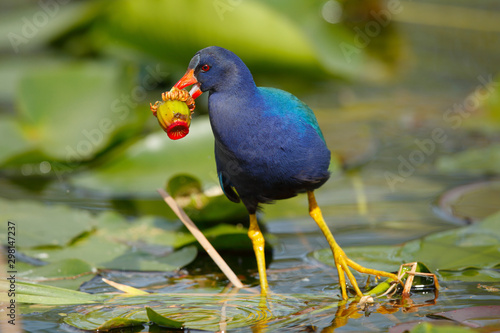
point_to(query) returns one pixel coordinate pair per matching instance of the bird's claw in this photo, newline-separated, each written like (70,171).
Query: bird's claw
(346,263)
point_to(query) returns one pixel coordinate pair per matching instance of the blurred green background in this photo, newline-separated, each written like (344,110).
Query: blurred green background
(77,76)
(400,88)
(407,94)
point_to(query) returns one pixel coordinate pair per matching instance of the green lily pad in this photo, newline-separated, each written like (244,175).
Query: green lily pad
(140,260)
(144,230)
(471,202)
(95,250)
(471,275)
(430,328)
(61,269)
(206,312)
(99,252)
(161,320)
(42,225)
(492,103)
(12,141)
(110,247)
(72,122)
(473,161)
(474,246)
(109,316)
(42,294)
(459,320)
(64,124)
(67,273)
(119,323)
(114,243)
(183,186)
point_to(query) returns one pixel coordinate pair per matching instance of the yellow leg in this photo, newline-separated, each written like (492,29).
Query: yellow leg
(258,246)
(342,262)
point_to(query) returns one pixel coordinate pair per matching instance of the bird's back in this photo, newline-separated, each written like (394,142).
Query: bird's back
(268,147)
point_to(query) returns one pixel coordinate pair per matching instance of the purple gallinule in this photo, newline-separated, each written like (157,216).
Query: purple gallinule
(268,146)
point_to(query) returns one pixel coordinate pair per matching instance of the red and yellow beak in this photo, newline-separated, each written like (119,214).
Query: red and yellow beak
(187,80)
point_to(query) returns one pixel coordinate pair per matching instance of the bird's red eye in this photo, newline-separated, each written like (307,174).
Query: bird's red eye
(205,68)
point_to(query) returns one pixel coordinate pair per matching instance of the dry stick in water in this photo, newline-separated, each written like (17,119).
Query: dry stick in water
(201,238)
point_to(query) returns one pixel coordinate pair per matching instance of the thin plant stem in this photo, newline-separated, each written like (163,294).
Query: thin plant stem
(201,239)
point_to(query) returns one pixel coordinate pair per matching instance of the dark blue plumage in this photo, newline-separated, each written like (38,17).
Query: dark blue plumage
(273,150)
(268,144)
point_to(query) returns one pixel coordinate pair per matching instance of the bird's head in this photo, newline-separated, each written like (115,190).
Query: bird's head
(214,69)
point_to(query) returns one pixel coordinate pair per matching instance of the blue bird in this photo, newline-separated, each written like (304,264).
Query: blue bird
(268,146)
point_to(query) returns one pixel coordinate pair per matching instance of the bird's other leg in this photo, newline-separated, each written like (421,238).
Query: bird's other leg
(342,262)
(258,246)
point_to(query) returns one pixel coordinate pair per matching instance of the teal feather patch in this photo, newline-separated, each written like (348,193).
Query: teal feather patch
(290,106)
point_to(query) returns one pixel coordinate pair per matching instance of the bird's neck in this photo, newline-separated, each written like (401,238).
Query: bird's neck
(233,112)
(235,95)
(238,84)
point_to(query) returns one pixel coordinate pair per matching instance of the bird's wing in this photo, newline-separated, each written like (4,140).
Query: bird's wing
(290,106)
(228,189)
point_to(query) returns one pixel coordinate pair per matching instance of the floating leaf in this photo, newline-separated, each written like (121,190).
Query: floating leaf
(430,328)
(470,313)
(60,269)
(12,141)
(109,246)
(478,317)
(44,225)
(139,260)
(474,161)
(95,250)
(119,323)
(102,253)
(471,275)
(72,122)
(492,103)
(183,186)
(194,311)
(471,202)
(160,320)
(141,232)
(107,316)
(43,294)
(202,312)
(65,124)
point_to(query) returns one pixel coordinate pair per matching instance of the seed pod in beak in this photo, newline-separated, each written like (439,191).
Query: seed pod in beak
(173,113)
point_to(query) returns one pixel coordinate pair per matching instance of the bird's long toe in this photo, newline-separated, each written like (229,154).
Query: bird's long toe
(343,264)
